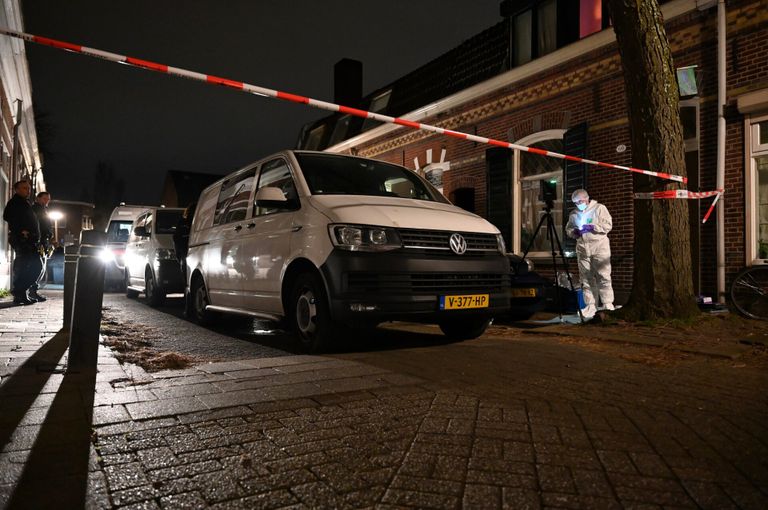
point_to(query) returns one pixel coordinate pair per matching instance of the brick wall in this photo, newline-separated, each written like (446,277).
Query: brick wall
(590,89)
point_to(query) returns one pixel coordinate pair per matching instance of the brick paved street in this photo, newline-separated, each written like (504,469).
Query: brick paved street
(404,420)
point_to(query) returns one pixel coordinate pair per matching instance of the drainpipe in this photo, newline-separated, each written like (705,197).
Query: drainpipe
(15,152)
(720,181)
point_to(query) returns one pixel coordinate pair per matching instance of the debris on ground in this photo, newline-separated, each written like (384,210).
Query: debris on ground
(132,343)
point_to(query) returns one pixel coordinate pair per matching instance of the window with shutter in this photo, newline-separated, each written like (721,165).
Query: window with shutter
(574,144)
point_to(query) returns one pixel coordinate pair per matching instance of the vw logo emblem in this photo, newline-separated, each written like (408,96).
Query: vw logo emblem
(458,244)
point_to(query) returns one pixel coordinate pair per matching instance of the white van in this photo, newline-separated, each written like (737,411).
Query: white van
(324,240)
(151,266)
(118,232)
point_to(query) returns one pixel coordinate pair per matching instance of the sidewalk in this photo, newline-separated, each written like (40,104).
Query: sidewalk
(128,407)
(492,423)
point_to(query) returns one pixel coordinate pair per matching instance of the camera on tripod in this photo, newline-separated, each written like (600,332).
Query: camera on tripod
(548,192)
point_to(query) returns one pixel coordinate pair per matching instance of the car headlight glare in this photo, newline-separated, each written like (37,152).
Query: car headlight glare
(106,255)
(364,238)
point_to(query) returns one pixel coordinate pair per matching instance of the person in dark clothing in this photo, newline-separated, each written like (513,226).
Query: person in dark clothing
(46,234)
(181,236)
(23,235)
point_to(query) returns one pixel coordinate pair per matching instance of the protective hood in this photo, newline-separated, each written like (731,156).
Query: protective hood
(399,213)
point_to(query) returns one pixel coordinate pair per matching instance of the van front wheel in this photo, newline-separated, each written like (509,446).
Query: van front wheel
(199,302)
(465,328)
(310,317)
(155,294)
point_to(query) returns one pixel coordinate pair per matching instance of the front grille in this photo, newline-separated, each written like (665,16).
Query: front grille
(439,240)
(427,283)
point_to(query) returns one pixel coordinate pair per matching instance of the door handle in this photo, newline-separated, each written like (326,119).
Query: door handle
(238,228)
(296,228)
(251,225)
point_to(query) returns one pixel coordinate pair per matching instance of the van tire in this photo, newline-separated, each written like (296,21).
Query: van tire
(129,292)
(465,328)
(198,301)
(155,295)
(309,315)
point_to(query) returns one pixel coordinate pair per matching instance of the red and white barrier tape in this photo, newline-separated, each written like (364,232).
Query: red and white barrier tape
(261,91)
(678,193)
(684,193)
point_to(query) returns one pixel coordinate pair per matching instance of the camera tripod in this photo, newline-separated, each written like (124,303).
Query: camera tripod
(553,238)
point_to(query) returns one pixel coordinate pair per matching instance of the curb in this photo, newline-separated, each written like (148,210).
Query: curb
(732,352)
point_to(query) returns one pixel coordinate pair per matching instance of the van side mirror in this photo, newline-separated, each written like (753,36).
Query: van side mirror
(140,232)
(272,197)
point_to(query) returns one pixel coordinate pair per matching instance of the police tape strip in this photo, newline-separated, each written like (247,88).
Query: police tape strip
(678,193)
(261,91)
(683,193)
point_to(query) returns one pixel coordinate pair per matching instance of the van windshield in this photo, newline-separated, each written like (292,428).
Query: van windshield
(166,221)
(119,231)
(330,174)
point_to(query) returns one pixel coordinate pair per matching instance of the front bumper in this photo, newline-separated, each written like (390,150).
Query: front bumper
(377,287)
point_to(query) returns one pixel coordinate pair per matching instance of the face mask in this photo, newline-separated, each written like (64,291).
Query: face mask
(581,207)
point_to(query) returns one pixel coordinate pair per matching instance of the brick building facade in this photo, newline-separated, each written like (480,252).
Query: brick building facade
(19,153)
(579,84)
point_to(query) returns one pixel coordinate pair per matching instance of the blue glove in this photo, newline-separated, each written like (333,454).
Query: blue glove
(587,228)
(576,233)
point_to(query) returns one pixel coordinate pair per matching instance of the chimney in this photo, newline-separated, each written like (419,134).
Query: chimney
(348,82)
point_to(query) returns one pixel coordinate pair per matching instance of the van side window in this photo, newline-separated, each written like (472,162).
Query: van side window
(233,198)
(139,222)
(277,174)
(148,223)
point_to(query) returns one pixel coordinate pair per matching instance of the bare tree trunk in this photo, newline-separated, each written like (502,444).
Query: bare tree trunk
(663,282)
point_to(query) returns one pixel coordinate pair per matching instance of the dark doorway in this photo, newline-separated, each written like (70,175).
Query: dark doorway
(464,198)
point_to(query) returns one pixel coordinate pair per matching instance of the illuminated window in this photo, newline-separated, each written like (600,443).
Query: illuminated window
(590,17)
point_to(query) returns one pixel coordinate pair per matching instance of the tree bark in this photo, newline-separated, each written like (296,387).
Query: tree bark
(662,284)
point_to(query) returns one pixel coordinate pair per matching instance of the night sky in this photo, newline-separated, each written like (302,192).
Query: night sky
(145,123)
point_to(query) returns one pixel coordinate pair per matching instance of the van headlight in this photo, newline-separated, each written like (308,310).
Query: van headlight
(107,256)
(500,243)
(364,238)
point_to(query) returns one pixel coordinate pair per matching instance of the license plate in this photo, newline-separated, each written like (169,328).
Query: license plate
(523,292)
(464,302)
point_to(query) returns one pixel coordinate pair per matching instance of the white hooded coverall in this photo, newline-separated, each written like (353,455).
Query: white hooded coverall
(593,252)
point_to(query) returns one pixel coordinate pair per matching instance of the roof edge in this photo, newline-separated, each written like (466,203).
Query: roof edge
(596,41)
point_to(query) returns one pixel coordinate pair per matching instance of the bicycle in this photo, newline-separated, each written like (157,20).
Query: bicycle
(749,292)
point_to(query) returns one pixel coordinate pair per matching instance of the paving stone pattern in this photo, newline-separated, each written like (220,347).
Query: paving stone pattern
(424,428)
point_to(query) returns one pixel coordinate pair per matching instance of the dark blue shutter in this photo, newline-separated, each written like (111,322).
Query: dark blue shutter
(574,144)
(498,163)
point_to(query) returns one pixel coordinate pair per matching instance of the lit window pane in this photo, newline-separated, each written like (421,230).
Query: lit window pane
(590,17)
(534,169)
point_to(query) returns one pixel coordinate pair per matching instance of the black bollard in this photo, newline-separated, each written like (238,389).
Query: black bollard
(86,303)
(70,268)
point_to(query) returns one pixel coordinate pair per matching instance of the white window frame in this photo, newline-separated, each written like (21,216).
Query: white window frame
(752,151)
(549,134)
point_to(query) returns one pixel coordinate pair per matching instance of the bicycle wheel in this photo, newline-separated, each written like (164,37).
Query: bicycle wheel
(749,292)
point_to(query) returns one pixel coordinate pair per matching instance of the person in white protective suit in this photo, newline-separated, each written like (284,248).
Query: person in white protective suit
(590,224)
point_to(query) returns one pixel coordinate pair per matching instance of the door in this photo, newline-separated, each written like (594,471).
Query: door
(266,240)
(135,253)
(225,263)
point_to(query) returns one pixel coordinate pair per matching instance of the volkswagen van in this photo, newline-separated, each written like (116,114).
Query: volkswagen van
(327,242)
(151,265)
(118,232)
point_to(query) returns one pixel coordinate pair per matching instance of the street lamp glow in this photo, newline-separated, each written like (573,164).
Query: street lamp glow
(55,216)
